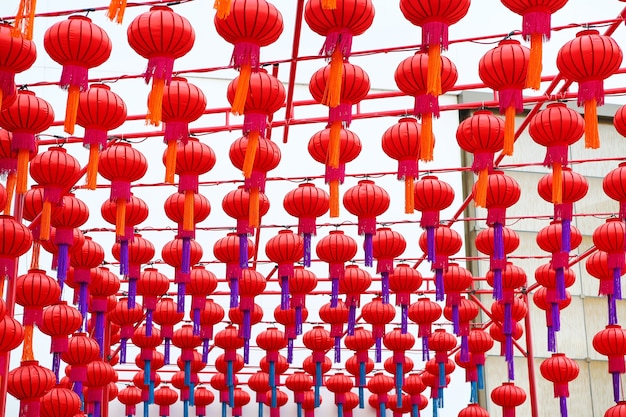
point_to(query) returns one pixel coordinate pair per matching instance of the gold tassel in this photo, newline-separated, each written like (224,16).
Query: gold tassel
(27,352)
(332,93)
(409,196)
(241,92)
(509,130)
(433,78)
(170,161)
(557,183)
(480,195)
(25,18)
(592,136)
(120,218)
(155,102)
(34,262)
(251,150)
(188,211)
(44,224)
(23,156)
(253,209)
(334,144)
(334,198)
(427,141)
(11,180)
(116,10)
(329,4)
(92,166)
(535,65)
(223,8)
(71,108)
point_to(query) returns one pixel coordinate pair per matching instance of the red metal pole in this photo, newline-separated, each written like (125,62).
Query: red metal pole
(297,32)
(530,362)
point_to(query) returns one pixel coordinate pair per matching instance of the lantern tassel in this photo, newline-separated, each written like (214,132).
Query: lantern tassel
(379,349)
(241,92)
(234,292)
(92,166)
(334,144)
(533,77)
(44,226)
(298,321)
(222,8)
(334,294)
(306,258)
(334,198)
(399,379)
(205,351)
(116,10)
(617,283)
(433,80)
(473,393)
(224,409)
(272,378)
(170,161)
(318,383)
(155,101)
(337,349)
(404,319)
(480,370)
(25,18)
(251,151)
(409,195)
(299,409)
(329,4)
(120,218)
(439,290)
(616,385)
(254,208)
(612,309)
(551,339)
(124,263)
(351,319)
(480,197)
(23,156)
(27,352)
(243,251)
(10,187)
(132,292)
(384,282)
(289,351)
(425,352)
(509,130)
(430,244)
(166,351)
(34,262)
(427,141)
(592,136)
(368,248)
(362,384)
(188,211)
(563,406)
(149,323)
(71,108)
(99,331)
(284,293)
(332,94)
(56,364)
(146,373)
(185,259)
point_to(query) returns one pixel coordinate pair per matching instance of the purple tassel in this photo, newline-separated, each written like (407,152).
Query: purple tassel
(616,383)
(379,348)
(425,353)
(612,309)
(166,351)
(456,328)
(617,283)
(497,284)
(384,282)
(369,250)
(338,349)
(404,319)
(307,250)
(123,350)
(508,350)
(124,263)
(498,241)
(551,339)
(246,335)
(566,235)
(439,291)
(298,321)
(62,264)
(196,322)
(149,323)
(334,296)
(96,409)
(56,364)
(289,351)
(284,293)
(556,316)
(560,284)
(234,292)
(78,389)
(243,251)
(511,368)
(132,292)
(563,405)
(351,320)
(180,297)
(99,332)
(82,304)
(205,351)
(465,357)
(185,264)
(430,244)
(507,326)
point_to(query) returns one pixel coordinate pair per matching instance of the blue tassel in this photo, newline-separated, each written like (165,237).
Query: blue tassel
(473,393)
(223,409)
(480,369)
(260,412)
(188,373)
(230,383)
(272,379)
(146,410)
(146,373)
(414,410)
(318,382)
(399,378)
(299,409)
(340,410)
(185,408)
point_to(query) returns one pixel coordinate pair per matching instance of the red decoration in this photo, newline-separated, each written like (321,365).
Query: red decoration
(90,255)
(560,370)
(610,238)
(187,342)
(81,350)
(442,343)
(380,385)
(180,254)
(59,321)
(229,340)
(228,250)
(251,284)
(386,246)
(447,243)
(473,410)
(399,343)
(336,249)
(130,397)
(160,35)
(60,402)
(20,55)
(15,240)
(202,398)
(151,285)
(284,249)
(479,342)
(299,383)
(127,317)
(336,317)
(378,314)
(77,44)
(340,385)
(597,265)
(202,283)
(361,341)
(165,397)
(403,282)
(260,384)
(424,313)
(271,341)
(167,315)
(28,383)
(279,399)
(99,375)
(319,341)
(355,282)
(211,315)
(508,396)
(504,70)
(612,186)
(576,62)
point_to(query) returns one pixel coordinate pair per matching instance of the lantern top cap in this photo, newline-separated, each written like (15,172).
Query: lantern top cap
(407,119)
(509,41)
(483,111)
(164,8)
(26,92)
(366,182)
(430,177)
(180,79)
(283,231)
(336,232)
(556,104)
(79,17)
(102,86)
(588,32)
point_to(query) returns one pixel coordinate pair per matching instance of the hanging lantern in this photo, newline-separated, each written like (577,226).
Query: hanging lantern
(486,243)
(552,308)
(19,55)
(202,398)
(509,311)
(483,135)
(77,44)
(473,410)
(229,340)
(89,256)
(99,376)
(81,350)
(466,312)
(151,285)
(508,396)
(251,284)
(447,243)
(15,240)
(336,249)
(378,314)
(160,35)
(139,251)
(302,283)
(411,77)
(424,313)
(139,381)
(284,249)
(167,315)
(127,317)
(187,342)
(165,397)
(355,282)
(288,318)
(612,186)
(307,203)
(299,383)
(60,402)
(366,200)
(617,410)
(380,385)
(271,341)
(259,382)
(442,343)
(386,246)
(248,26)
(456,280)
(560,370)
(202,283)
(148,359)
(349,149)
(597,266)
(280,367)
(176,253)
(403,282)
(218,382)
(479,342)
(557,127)
(399,343)
(318,340)
(103,288)
(13,336)
(504,69)
(210,315)
(437,377)
(340,385)
(610,238)
(361,341)
(59,321)
(336,317)
(28,383)
(414,386)
(199,207)
(129,396)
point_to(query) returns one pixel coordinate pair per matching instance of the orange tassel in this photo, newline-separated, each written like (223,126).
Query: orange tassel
(557,183)
(120,218)
(11,180)
(253,210)
(25,18)
(34,262)
(1,96)
(71,108)
(480,195)
(188,211)
(23,156)
(332,93)
(329,4)
(592,136)
(409,196)
(535,65)
(92,166)
(250,156)
(27,352)
(433,78)
(44,225)
(116,10)
(170,161)
(155,102)
(241,93)
(427,141)
(334,144)
(334,198)
(223,8)
(509,130)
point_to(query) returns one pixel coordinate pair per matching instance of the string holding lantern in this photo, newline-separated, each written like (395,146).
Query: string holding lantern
(355,282)
(336,249)
(77,44)
(272,341)
(248,26)
(611,342)
(139,251)
(284,249)
(424,313)
(508,396)
(174,253)
(361,341)
(610,238)
(386,246)
(167,315)
(447,243)
(378,314)
(560,370)
(336,317)
(202,283)
(411,77)
(229,340)
(251,284)
(504,69)
(318,340)
(20,54)
(576,62)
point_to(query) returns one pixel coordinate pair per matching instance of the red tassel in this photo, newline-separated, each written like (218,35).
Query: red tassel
(116,10)
(592,136)
(427,141)
(533,78)
(241,93)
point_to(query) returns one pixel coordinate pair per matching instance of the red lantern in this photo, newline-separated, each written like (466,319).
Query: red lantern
(378,314)
(28,383)
(612,186)
(271,341)
(299,383)
(19,55)
(386,246)
(202,283)
(148,359)
(281,399)
(302,283)
(597,265)
(336,249)
(126,317)
(151,285)
(473,410)
(560,370)
(550,239)
(99,375)
(180,254)
(340,385)
(466,312)
(59,321)
(15,240)
(307,203)
(167,315)
(202,398)
(360,342)
(485,243)
(610,238)
(508,396)
(318,340)
(355,282)
(504,69)
(211,315)
(161,36)
(228,251)
(336,317)
(442,343)
(251,284)
(140,251)
(165,397)
(13,336)
(424,313)
(81,350)
(187,342)
(260,384)
(90,255)
(60,402)
(284,249)
(399,343)
(291,319)
(229,340)
(130,397)
(576,63)
(199,206)
(77,44)
(404,281)
(479,342)
(412,78)
(447,243)
(483,135)
(380,385)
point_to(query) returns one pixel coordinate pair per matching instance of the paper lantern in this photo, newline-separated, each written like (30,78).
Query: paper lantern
(447,243)
(60,402)
(103,286)
(284,249)
(560,370)
(251,284)
(20,54)
(336,249)
(148,359)
(550,239)
(380,385)
(127,317)
(479,342)
(386,246)
(202,283)
(360,342)
(59,321)
(355,282)
(318,340)
(130,397)
(403,282)
(15,240)
(378,314)
(165,397)
(473,410)
(151,285)
(77,44)
(399,343)
(299,383)
(609,237)
(424,313)
(271,341)
(229,340)
(210,315)
(81,350)
(508,396)
(202,398)
(167,315)
(442,343)
(335,316)
(340,385)
(180,254)
(597,266)
(260,384)
(28,383)
(90,255)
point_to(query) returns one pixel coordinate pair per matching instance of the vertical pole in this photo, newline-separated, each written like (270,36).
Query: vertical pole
(530,361)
